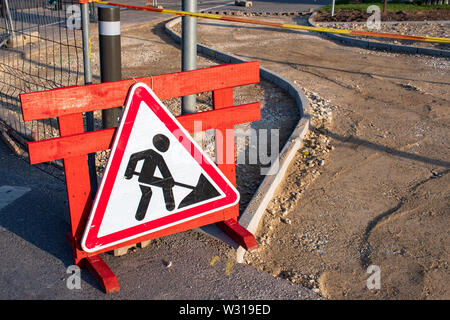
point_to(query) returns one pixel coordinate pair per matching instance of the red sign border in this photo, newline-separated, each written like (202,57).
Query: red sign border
(140,92)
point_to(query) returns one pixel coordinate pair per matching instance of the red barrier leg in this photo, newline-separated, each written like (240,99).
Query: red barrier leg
(238,233)
(102,273)
(97,267)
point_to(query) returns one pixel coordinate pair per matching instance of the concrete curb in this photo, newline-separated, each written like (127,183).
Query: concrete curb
(385,46)
(254,212)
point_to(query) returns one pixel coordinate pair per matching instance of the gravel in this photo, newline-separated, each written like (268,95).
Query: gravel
(313,154)
(414,28)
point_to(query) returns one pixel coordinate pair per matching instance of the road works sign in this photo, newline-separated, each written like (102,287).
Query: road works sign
(156,177)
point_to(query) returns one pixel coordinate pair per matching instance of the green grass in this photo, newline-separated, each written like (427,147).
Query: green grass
(391,7)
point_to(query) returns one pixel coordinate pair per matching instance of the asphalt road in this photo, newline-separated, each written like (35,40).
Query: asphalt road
(34,255)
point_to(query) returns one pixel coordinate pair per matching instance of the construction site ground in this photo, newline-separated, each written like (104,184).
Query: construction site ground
(371,184)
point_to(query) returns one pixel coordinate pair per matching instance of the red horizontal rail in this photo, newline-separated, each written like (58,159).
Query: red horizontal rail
(83,143)
(76,99)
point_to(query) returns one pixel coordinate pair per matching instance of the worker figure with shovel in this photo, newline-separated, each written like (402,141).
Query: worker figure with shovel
(152,160)
(204,190)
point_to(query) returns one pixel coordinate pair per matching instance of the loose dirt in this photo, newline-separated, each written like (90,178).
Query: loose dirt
(380,195)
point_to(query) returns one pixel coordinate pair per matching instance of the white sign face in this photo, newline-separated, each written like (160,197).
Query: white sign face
(156,177)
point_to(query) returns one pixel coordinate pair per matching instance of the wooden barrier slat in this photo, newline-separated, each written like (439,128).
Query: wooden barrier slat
(77,99)
(70,146)
(77,175)
(88,142)
(225,157)
(221,99)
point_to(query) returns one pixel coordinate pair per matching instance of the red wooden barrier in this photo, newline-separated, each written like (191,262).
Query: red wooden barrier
(68,104)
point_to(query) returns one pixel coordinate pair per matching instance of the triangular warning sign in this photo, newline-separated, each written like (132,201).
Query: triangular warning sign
(156,177)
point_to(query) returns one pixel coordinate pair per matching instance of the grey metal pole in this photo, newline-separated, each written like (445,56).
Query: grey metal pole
(88,80)
(110,56)
(9,19)
(59,5)
(189,51)
(92,12)
(332,8)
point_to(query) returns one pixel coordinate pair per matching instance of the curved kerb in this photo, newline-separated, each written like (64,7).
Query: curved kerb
(385,46)
(254,212)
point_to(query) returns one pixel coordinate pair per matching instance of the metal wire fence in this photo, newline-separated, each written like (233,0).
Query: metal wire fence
(40,49)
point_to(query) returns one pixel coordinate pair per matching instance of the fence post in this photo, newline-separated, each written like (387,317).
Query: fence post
(189,51)
(110,56)
(88,80)
(93,12)
(9,23)
(59,5)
